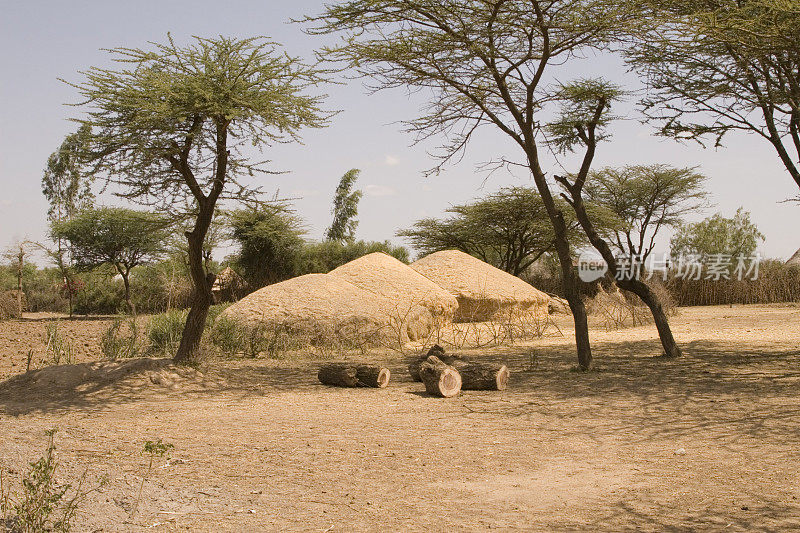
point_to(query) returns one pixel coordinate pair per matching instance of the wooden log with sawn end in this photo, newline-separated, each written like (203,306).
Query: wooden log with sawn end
(354,375)
(440,379)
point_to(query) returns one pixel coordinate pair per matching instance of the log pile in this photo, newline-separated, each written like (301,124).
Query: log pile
(353,375)
(474,375)
(443,375)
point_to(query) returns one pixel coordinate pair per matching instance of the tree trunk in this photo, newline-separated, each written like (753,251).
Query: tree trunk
(636,286)
(643,291)
(353,375)
(19,288)
(569,277)
(482,376)
(439,378)
(189,348)
(125,273)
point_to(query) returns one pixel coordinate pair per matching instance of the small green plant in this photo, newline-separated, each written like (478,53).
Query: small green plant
(116,344)
(58,350)
(164,332)
(152,449)
(44,504)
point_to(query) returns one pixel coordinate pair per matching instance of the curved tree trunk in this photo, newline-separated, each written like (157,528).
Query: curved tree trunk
(202,298)
(636,286)
(643,291)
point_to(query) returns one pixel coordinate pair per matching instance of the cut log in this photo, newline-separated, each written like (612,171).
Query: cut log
(436,351)
(372,376)
(439,378)
(482,376)
(353,375)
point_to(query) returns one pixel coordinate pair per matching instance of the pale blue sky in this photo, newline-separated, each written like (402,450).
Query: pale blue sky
(46,40)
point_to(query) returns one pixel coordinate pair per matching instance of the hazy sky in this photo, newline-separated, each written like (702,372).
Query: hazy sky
(46,40)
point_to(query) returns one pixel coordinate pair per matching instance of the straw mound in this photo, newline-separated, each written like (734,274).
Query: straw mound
(387,277)
(326,308)
(484,293)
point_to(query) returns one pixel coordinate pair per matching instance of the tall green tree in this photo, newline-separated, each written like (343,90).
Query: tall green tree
(509,229)
(173,125)
(67,187)
(717,66)
(492,63)
(647,199)
(65,183)
(718,236)
(271,239)
(345,209)
(123,238)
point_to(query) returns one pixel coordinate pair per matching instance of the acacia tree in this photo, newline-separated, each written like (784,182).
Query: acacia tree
(170,127)
(580,127)
(509,229)
(345,209)
(483,63)
(123,238)
(647,199)
(717,66)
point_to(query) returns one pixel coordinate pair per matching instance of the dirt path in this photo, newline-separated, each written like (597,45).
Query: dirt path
(711,441)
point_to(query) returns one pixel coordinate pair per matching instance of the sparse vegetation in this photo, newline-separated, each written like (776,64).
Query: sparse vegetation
(58,349)
(164,332)
(43,504)
(122,339)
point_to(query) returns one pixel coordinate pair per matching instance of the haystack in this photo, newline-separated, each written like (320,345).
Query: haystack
(414,295)
(321,308)
(484,293)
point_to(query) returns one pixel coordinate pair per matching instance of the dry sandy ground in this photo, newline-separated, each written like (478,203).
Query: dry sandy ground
(707,442)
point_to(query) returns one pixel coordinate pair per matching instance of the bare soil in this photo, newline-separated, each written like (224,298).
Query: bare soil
(710,441)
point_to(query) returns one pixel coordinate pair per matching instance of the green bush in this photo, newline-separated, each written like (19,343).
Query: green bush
(164,332)
(233,337)
(121,339)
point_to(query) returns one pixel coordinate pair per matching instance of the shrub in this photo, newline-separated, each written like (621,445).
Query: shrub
(44,505)
(8,306)
(121,339)
(164,332)
(233,337)
(58,349)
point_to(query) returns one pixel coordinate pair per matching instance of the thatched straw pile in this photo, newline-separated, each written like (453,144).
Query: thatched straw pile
(411,292)
(484,293)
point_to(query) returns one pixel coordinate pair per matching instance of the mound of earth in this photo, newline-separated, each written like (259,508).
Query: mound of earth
(415,297)
(326,309)
(484,293)
(65,383)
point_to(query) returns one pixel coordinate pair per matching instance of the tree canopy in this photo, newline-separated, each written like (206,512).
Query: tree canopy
(509,229)
(169,128)
(123,238)
(718,236)
(647,200)
(65,184)
(717,66)
(271,239)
